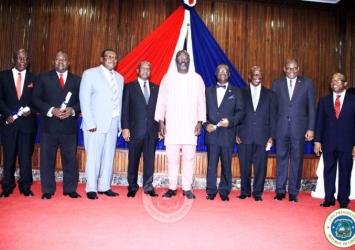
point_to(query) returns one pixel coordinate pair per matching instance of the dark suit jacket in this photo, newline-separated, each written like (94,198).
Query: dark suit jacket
(9,104)
(137,115)
(300,112)
(48,93)
(232,108)
(332,133)
(258,126)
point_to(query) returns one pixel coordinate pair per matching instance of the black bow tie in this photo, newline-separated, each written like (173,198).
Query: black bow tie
(221,86)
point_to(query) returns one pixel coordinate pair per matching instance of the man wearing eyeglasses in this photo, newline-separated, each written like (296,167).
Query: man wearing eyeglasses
(295,124)
(100,96)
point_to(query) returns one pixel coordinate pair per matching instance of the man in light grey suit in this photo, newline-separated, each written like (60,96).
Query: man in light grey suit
(295,124)
(100,96)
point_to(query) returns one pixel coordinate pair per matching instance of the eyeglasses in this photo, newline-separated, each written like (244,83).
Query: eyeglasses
(110,57)
(291,69)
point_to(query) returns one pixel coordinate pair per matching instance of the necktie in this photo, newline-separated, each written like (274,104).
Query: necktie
(114,88)
(18,85)
(145,92)
(337,106)
(61,81)
(290,90)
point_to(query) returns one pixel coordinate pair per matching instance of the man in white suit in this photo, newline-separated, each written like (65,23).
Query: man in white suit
(100,96)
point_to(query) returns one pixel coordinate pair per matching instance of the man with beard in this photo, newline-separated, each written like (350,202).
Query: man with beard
(58,127)
(140,129)
(335,139)
(180,111)
(18,135)
(225,109)
(255,134)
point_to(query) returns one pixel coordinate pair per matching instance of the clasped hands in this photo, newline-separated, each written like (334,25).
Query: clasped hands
(224,123)
(162,129)
(62,114)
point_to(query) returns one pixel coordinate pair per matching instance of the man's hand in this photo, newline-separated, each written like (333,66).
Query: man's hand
(269,142)
(318,148)
(238,140)
(92,130)
(198,128)
(68,111)
(57,112)
(210,128)
(224,123)
(126,134)
(354,152)
(10,119)
(25,114)
(309,135)
(162,130)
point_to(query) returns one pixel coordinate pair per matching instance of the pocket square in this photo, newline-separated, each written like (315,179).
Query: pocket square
(231,97)
(30,85)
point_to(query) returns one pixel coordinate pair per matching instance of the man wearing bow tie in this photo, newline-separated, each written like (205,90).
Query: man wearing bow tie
(295,124)
(225,109)
(335,139)
(140,129)
(18,135)
(58,128)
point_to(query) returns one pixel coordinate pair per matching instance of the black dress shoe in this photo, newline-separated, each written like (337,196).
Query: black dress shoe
(170,193)
(344,206)
(5,194)
(258,198)
(92,195)
(243,196)
(189,194)
(292,198)
(73,195)
(27,192)
(224,197)
(327,203)
(109,193)
(151,193)
(210,197)
(279,196)
(46,196)
(131,193)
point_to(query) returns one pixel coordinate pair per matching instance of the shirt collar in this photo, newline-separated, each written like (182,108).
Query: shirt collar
(226,84)
(141,81)
(14,70)
(342,94)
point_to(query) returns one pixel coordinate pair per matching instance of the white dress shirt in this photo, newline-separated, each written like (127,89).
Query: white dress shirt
(15,74)
(141,83)
(341,99)
(221,92)
(294,80)
(255,94)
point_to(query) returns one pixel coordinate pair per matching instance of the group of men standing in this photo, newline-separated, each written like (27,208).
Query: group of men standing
(255,118)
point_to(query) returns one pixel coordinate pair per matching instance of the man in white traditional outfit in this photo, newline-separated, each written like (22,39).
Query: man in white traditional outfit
(180,111)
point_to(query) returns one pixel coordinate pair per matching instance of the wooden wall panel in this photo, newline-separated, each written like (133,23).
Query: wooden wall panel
(251,32)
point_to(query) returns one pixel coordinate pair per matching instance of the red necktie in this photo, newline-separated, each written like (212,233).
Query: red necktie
(61,81)
(337,106)
(18,85)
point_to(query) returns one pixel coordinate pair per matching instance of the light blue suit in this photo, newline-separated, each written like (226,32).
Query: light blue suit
(97,107)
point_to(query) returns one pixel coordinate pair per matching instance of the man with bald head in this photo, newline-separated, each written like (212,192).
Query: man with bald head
(296,114)
(18,135)
(140,129)
(225,109)
(56,96)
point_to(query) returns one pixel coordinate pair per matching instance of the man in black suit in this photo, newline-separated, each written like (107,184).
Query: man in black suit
(295,124)
(225,109)
(255,134)
(58,127)
(335,138)
(18,135)
(140,129)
